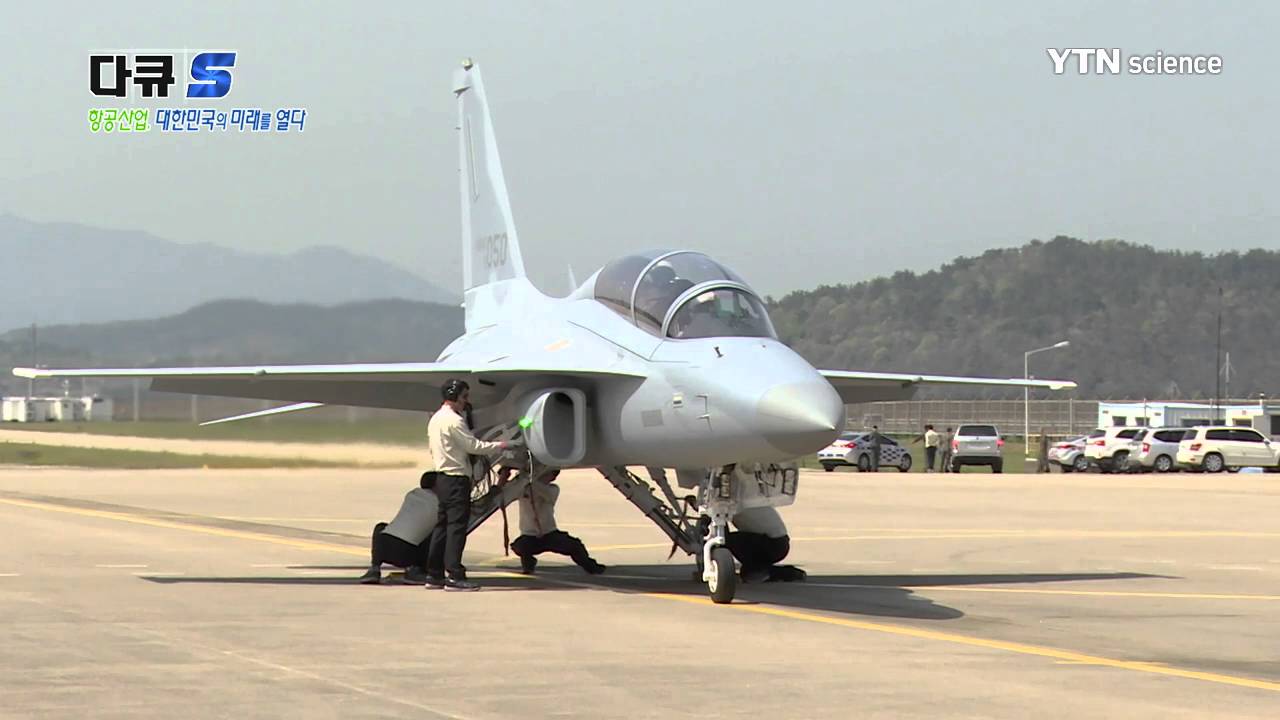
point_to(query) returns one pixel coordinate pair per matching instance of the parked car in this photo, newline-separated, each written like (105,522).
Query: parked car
(1218,448)
(851,449)
(977,445)
(1069,456)
(1156,449)
(1109,449)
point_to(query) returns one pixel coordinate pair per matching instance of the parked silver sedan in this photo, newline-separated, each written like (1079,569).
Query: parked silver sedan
(1069,454)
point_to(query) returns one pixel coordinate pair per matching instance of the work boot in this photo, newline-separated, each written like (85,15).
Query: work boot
(435,583)
(754,575)
(593,568)
(787,573)
(372,576)
(454,585)
(527,564)
(414,575)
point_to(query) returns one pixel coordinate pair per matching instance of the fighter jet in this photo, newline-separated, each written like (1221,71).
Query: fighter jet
(665,358)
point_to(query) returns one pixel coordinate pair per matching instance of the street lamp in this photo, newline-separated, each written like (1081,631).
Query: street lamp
(1026,393)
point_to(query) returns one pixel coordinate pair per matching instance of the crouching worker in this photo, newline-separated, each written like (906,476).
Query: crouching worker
(404,541)
(538,531)
(760,541)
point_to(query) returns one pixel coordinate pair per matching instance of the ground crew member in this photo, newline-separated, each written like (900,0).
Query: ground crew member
(405,540)
(451,441)
(538,530)
(1042,456)
(948,437)
(759,542)
(874,441)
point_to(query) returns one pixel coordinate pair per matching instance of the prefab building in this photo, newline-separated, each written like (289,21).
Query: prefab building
(21,409)
(56,409)
(1167,414)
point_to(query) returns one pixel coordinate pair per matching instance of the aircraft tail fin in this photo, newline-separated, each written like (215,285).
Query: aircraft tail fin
(490,248)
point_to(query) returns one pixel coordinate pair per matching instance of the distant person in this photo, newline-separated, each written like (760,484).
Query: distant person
(874,441)
(451,442)
(405,540)
(931,441)
(1042,454)
(948,437)
(539,532)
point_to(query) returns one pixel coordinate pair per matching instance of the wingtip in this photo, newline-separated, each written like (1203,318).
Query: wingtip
(29,373)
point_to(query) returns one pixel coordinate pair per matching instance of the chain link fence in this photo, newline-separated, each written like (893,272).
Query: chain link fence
(1056,417)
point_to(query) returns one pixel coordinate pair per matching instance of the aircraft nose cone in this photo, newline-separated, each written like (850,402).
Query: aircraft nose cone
(800,418)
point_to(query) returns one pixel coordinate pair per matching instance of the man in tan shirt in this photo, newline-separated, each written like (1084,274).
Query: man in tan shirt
(538,530)
(451,441)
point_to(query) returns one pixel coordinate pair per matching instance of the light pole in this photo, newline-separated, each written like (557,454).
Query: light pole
(1026,393)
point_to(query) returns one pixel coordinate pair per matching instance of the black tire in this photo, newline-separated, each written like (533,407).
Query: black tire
(1213,463)
(904,463)
(828,467)
(997,467)
(1081,463)
(1163,464)
(724,580)
(955,467)
(864,463)
(1120,461)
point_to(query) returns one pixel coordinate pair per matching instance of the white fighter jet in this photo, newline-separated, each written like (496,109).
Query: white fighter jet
(661,359)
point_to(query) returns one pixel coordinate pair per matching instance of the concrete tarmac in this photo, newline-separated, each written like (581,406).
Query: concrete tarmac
(208,594)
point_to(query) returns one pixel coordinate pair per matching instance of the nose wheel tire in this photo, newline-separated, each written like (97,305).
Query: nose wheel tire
(723,583)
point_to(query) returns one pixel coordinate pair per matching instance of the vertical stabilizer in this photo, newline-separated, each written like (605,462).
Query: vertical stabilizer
(492,267)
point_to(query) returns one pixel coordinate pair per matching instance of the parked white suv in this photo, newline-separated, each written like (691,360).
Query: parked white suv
(1156,449)
(1109,448)
(977,445)
(1217,448)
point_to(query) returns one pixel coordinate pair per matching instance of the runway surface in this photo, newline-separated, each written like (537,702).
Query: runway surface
(207,594)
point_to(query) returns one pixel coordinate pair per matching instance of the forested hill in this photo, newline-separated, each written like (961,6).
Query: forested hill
(1141,322)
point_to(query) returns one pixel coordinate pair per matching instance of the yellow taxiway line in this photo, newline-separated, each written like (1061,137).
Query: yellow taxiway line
(1063,656)
(972,641)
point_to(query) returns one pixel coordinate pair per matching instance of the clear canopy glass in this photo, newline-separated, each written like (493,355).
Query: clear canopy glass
(645,286)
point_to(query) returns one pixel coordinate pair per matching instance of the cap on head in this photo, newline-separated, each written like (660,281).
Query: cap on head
(453,389)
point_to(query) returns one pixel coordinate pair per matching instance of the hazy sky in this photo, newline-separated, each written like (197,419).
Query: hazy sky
(802,143)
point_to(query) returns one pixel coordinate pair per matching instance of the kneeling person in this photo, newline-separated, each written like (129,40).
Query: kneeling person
(404,541)
(760,541)
(538,531)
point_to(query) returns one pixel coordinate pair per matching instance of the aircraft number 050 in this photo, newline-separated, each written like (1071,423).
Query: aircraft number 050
(493,248)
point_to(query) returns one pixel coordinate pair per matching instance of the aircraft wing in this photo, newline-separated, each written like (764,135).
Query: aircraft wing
(395,386)
(860,387)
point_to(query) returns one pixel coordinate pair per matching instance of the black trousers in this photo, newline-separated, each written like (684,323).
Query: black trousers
(558,541)
(449,537)
(392,550)
(757,551)
(929,454)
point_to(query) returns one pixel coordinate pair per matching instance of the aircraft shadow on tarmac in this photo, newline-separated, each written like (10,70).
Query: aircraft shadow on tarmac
(868,595)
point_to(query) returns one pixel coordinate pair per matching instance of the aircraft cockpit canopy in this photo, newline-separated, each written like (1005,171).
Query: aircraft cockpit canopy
(682,294)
